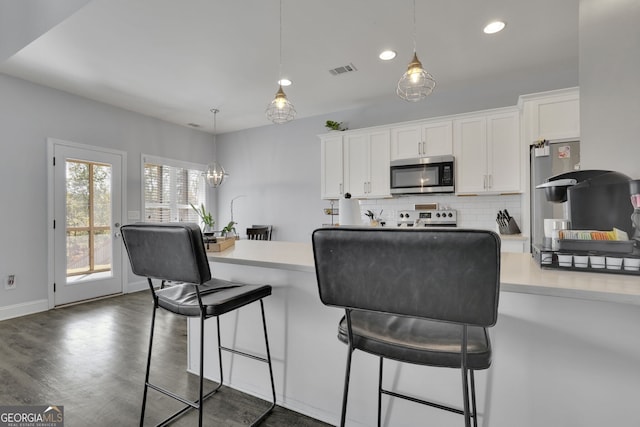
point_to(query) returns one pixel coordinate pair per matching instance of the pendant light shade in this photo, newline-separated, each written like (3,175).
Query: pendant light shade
(416,84)
(215,173)
(280,110)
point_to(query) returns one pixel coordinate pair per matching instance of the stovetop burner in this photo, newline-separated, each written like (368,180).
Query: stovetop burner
(428,218)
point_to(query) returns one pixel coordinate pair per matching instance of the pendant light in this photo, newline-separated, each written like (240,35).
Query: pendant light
(416,84)
(280,110)
(215,174)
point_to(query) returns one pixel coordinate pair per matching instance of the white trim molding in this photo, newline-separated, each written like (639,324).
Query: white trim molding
(23,309)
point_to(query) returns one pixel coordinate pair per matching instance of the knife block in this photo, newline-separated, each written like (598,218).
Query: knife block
(510,228)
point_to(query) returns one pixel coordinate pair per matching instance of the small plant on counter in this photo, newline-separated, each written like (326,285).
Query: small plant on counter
(206,217)
(229,228)
(374,220)
(331,125)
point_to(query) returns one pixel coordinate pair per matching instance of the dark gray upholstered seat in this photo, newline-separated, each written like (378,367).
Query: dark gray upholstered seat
(419,341)
(218,297)
(422,296)
(174,253)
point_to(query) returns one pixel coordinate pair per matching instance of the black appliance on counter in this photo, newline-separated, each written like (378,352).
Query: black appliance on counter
(595,200)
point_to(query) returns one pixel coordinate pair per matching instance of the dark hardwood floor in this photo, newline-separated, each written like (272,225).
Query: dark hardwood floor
(90,358)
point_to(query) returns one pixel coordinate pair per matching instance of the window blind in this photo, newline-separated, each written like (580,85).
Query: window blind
(170,187)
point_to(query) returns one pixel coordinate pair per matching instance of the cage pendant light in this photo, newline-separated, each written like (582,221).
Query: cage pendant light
(215,174)
(416,84)
(280,110)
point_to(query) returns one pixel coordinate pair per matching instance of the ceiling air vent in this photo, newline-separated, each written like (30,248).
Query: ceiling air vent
(344,69)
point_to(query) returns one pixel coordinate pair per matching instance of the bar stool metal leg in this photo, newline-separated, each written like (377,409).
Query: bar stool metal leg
(474,413)
(146,375)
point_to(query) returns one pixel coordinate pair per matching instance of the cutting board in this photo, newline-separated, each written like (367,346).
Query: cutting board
(220,245)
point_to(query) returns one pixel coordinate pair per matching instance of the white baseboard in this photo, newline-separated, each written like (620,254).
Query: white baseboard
(136,286)
(17,310)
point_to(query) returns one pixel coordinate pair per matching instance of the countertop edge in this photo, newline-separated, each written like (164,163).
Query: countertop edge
(519,272)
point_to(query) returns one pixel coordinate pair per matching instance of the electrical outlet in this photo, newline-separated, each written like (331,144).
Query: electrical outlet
(11,282)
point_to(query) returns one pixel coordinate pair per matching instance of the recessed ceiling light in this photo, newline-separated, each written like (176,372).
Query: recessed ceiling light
(494,27)
(387,55)
(284,82)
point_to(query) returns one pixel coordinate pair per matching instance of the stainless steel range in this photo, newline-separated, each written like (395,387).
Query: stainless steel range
(428,218)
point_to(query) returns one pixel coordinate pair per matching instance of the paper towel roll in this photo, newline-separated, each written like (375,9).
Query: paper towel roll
(349,213)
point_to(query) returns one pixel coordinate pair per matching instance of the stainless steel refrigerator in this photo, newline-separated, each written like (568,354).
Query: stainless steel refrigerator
(551,159)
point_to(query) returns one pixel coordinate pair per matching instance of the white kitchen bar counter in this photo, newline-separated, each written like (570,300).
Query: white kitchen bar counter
(519,272)
(566,348)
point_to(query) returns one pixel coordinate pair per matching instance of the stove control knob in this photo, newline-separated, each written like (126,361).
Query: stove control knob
(438,215)
(450,215)
(401,215)
(406,215)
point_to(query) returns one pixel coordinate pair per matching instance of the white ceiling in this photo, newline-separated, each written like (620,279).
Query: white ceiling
(175,60)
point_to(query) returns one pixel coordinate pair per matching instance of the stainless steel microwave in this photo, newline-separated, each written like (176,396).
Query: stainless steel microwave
(423,175)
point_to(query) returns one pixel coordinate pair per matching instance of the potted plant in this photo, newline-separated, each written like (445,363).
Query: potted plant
(337,126)
(229,230)
(206,218)
(374,220)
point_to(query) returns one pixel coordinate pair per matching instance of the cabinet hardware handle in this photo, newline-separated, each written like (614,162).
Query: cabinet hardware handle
(424,148)
(419,148)
(490,181)
(340,188)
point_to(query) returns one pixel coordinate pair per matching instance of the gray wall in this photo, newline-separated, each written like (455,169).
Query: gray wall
(609,88)
(29,114)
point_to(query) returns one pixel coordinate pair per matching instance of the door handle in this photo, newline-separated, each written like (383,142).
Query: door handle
(117,226)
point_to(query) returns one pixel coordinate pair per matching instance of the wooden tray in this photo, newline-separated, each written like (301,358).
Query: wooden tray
(220,245)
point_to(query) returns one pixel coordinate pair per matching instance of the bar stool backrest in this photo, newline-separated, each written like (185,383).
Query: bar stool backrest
(167,251)
(450,275)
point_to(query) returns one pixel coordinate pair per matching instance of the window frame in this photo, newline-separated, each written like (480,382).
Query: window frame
(173,205)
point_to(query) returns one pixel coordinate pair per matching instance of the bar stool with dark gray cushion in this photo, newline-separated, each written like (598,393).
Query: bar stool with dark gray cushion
(174,253)
(424,296)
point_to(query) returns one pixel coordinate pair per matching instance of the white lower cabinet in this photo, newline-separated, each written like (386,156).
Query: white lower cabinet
(366,159)
(487,153)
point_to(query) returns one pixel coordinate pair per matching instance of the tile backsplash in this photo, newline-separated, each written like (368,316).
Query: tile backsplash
(473,211)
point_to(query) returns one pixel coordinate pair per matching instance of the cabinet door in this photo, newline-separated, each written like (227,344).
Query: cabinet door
(556,117)
(503,150)
(331,167)
(379,164)
(470,150)
(424,140)
(357,165)
(553,115)
(437,139)
(406,142)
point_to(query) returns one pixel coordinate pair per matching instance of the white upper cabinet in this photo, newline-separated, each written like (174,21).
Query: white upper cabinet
(332,167)
(551,115)
(366,158)
(421,140)
(487,153)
